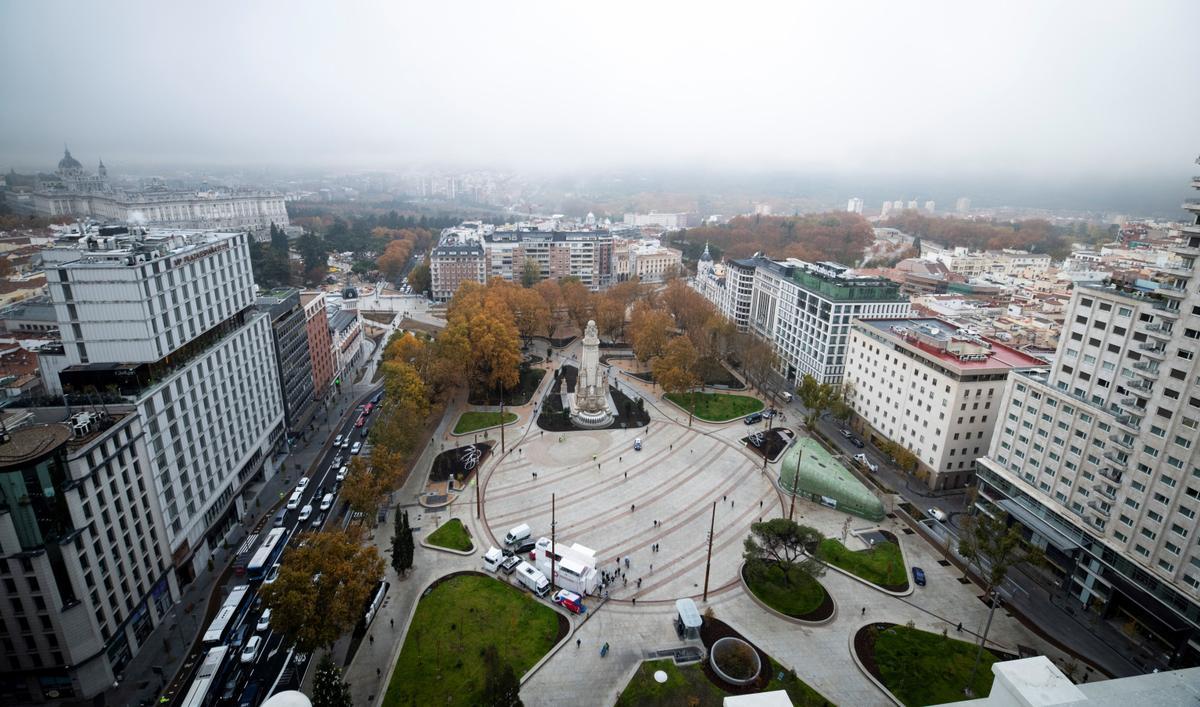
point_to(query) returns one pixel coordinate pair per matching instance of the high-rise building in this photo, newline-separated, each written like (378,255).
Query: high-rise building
(962,205)
(854,205)
(1097,460)
(886,210)
(86,566)
(912,204)
(451,265)
(929,206)
(931,387)
(292,355)
(320,343)
(166,319)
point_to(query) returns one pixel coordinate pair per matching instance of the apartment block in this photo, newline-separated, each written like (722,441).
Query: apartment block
(933,388)
(293,358)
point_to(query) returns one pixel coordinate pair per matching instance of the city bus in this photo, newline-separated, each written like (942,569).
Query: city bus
(207,676)
(267,555)
(226,616)
(244,554)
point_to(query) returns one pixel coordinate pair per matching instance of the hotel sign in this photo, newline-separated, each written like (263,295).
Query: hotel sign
(204,253)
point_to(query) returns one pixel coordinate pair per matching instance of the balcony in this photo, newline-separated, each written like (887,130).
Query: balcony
(1140,386)
(1120,440)
(1186,250)
(1148,366)
(1158,328)
(1152,349)
(1192,204)
(1164,310)
(1113,475)
(1103,490)
(1178,270)
(1171,291)
(1131,422)
(1098,509)
(1131,402)
(1117,462)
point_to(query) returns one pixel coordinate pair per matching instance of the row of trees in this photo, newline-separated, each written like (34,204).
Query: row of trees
(834,235)
(1035,235)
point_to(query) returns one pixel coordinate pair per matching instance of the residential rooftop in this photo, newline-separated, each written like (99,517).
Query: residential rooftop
(950,345)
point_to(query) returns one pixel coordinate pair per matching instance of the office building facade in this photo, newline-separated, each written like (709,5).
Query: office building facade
(292,355)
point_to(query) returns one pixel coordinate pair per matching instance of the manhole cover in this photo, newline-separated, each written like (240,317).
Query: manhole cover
(660,676)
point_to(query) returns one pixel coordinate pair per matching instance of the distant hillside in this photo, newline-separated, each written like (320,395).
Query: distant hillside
(1034,235)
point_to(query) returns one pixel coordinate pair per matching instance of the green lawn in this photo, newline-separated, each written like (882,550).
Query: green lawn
(441,662)
(882,565)
(687,686)
(803,596)
(922,668)
(452,534)
(471,421)
(717,407)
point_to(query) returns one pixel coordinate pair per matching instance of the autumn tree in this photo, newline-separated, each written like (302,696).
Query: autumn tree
(675,370)
(649,329)
(395,256)
(578,302)
(481,331)
(419,278)
(531,272)
(816,397)
(783,544)
(610,317)
(551,294)
(363,488)
(322,587)
(689,308)
(757,357)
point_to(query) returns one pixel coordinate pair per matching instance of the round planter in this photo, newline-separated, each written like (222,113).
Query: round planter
(727,643)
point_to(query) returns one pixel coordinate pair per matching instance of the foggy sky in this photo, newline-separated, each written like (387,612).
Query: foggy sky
(939,89)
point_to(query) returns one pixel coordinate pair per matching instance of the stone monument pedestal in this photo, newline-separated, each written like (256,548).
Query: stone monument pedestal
(590,406)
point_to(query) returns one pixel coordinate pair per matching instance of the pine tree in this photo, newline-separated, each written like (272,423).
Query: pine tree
(407,547)
(329,690)
(398,542)
(501,688)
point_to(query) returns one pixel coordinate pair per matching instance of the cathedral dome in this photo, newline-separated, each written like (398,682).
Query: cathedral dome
(68,162)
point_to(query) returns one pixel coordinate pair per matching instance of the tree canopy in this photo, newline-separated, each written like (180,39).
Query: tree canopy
(783,543)
(834,235)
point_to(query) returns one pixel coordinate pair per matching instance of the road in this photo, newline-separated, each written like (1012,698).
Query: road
(271,671)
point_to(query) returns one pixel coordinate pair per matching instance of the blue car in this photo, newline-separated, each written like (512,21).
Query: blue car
(919,576)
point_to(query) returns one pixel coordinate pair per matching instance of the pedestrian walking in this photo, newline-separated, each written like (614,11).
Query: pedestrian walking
(760,503)
(631,508)
(392,622)
(626,563)
(864,611)
(578,642)
(732,503)
(620,459)
(724,498)
(627,476)
(639,583)
(960,627)
(378,673)
(372,637)
(634,600)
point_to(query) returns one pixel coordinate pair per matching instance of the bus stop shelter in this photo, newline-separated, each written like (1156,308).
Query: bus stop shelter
(687,619)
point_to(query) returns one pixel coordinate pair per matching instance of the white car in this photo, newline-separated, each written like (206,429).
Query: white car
(305,512)
(346,442)
(327,502)
(337,441)
(862,459)
(341,475)
(250,652)
(264,621)
(356,448)
(938,514)
(302,484)
(272,574)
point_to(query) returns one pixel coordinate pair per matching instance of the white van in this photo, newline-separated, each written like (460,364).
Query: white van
(532,579)
(492,559)
(787,397)
(327,502)
(294,501)
(518,534)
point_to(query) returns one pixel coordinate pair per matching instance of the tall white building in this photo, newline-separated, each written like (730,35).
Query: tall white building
(962,205)
(167,320)
(854,205)
(930,206)
(931,387)
(86,567)
(1097,460)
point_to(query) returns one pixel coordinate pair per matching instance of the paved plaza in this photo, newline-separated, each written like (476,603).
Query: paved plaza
(595,478)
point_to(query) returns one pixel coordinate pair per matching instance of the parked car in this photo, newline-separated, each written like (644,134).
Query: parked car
(862,459)
(570,601)
(857,442)
(919,576)
(769,413)
(253,646)
(356,448)
(264,621)
(302,483)
(637,444)
(272,574)
(518,550)
(509,564)
(938,514)
(846,433)
(753,418)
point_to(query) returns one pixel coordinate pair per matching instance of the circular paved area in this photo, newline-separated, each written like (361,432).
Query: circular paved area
(675,479)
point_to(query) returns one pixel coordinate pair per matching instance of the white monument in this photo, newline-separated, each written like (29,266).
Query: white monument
(589,404)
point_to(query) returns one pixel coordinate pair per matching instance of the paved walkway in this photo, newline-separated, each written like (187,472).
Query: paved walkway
(674,480)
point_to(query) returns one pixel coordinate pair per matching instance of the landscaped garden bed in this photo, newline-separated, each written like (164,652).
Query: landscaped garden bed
(521,394)
(770,443)
(922,668)
(802,597)
(882,565)
(460,462)
(717,407)
(452,535)
(473,421)
(456,619)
